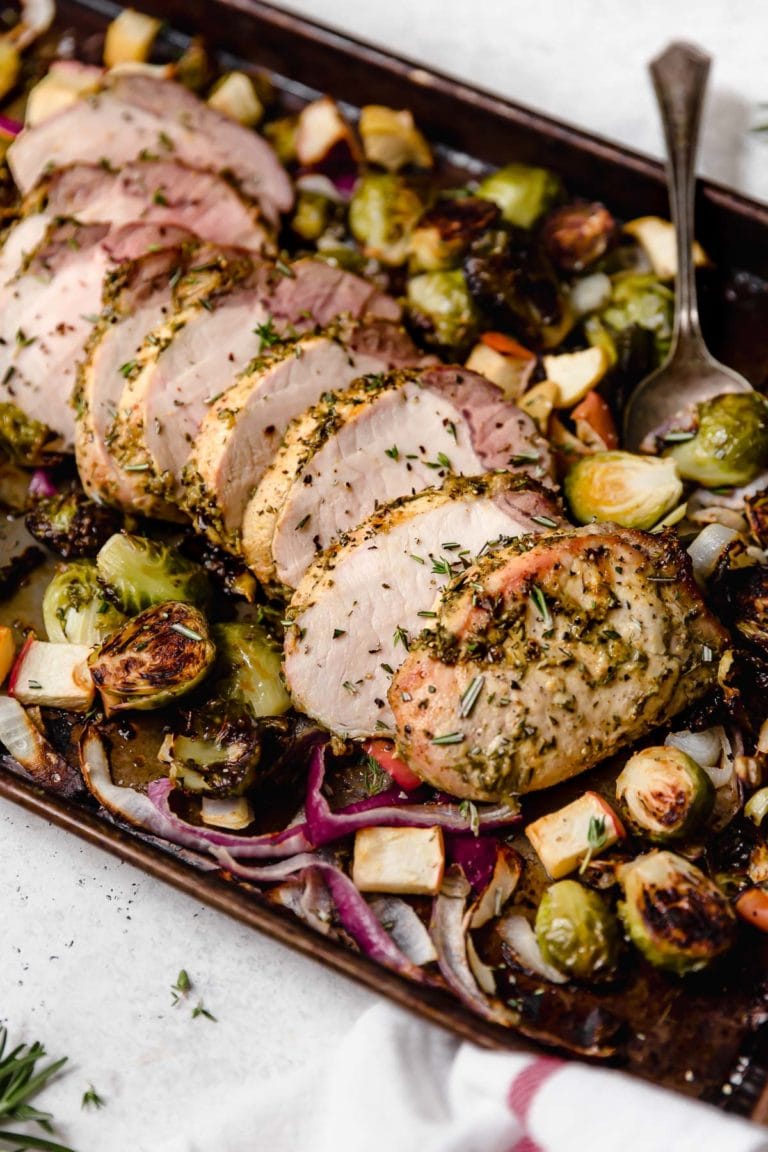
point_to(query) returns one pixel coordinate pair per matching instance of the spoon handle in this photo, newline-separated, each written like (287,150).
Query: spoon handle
(680,79)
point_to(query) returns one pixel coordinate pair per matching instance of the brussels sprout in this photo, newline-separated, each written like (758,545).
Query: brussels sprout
(576,235)
(71,524)
(216,750)
(576,931)
(382,214)
(75,609)
(511,280)
(665,794)
(249,669)
(445,231)
(731,443)
(637,302)
(312,215)
(440,306)
(156,657)
(282,136)
(24,440)
(523,193)
(391,139)
(673,913)
(138,573)
(634,491)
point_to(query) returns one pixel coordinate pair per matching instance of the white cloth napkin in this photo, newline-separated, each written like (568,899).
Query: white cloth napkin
(396,1084)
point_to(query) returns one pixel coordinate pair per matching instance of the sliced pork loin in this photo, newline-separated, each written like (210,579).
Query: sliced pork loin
(163,192)
(357,608)
(139,115)
(243,428)
(198,354)
(46,314)
(381,439)
(569,647)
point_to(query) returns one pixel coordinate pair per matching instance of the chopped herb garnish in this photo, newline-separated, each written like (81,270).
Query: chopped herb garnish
(418,559)
(449,738)
(135,467)
(129,367)
(180,989)
(188,633)
(470,697)
(22,340)
(441,567)
(678,437)
(427,615)
(349,686)
(303,522)
(267,333)
(596,839)
(388,669)
(540,603)
(35,685)
(91,1098)
(524,458)
(393,452)
(545,521)
(201,1010)
(401,637)
(159,197)
(468,810)
(285,269)
(337,632)
(451,427)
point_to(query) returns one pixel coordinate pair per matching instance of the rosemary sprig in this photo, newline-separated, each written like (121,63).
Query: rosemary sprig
(19,1083)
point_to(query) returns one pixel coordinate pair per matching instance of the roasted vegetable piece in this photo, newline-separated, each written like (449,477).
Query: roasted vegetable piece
(638,301)
(324,139)
(236,97)
(730,446)
(391,139)
(576,235)
(743,597)
(71,524)
(249,669)
(130,37)
(665,794)
(312,215)
(511,280)
(445,231)
(75,609)
(215,750)
(24,440)
(282,136)
(673,913)
(756,510)
(622,488)
(523,193)
(137,573)
(577,932)
(52,676)
(440,307)
(160,655)
(382,214)
(752,907)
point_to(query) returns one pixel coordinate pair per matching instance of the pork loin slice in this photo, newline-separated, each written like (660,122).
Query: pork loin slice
(161,192)
(570,647)
(382,439)
(19,241)
(355,611)
(144,116)
(242,429)
(46,314)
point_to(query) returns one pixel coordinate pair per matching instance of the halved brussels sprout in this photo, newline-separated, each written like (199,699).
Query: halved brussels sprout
(382,214)
(511,279)
(673,913)
(216,750)
(156,657)
(577,932)
(138,573)
(523,193)
(731,444)
(71,524)
(440,306)
(249,669)
(75,609)
(664,793)
(312,215)
(620,487)
(445,231)
(24,440)
(391,139)
(638,301)
(576,235)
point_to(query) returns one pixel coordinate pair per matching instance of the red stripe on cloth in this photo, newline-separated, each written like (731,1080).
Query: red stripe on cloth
(526,1144)
(526,1084)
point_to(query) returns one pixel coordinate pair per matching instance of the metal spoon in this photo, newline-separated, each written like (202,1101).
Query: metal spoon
(689,374)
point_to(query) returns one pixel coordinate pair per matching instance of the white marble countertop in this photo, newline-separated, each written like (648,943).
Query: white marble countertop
(89,947)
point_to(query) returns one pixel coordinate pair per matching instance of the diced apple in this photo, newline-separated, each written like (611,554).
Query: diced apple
(508,373)
(410,861)
(232,812)
(539,402)
(65,82)
(10,65)
(563,839)
(656,237)
(391,139)
(53,675)
(236,97)
(575,374)
(130,37)
(7,652)
(323,137)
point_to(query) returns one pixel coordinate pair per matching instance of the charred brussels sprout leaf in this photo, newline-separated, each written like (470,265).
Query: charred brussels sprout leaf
(75,609)
(248,669)
(216,750)
(160,655)
(441,309)
(138,573)
(522,193)
(24,440)
(742,595)
(673,913)
(577,932)
(445,232)
(512,281)
(731,444)
(664,793)
(72,525)
(576,235)
(382,214)
(620,487)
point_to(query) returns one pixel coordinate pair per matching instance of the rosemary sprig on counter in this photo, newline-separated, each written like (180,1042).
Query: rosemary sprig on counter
(20,1081)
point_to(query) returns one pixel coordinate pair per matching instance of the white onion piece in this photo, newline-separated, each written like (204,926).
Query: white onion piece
(707,548)
(320,185)
(590,293)
(481,971)
(233,812)
(405,927)
(36,18)
(521,938)
(734,497)
(127,803)
(706,747)
(30,750)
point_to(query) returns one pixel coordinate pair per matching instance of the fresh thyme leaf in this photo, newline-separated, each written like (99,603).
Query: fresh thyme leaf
(545,521)
(540,603)
(129,367)
(180,989)
(596,839)
(24,341)
(201,1010)
(267,333)
(91,1098)
(393,452)
(376,779)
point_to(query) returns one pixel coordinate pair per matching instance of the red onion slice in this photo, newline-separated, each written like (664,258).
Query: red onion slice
(41,484)
(9,127)
(405,927)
